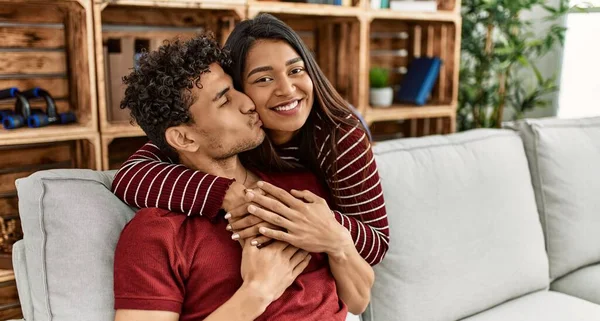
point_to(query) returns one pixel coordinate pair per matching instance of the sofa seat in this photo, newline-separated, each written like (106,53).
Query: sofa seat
(583,283)
(544,305)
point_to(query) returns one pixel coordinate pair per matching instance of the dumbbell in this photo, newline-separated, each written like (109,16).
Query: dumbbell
(51,116)
(16,119)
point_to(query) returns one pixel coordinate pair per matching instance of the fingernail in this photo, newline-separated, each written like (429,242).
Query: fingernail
(227,216)
(254,243)
(228,227)
(261,230)
(250,195)
(251,208)
(235,237)
(260,183)
(309,256)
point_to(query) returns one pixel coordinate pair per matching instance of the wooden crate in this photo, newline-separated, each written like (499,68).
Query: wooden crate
(118,149)
(335,43)
(350,8)
(49,44)
(124,27)
(395,43)
(20,161)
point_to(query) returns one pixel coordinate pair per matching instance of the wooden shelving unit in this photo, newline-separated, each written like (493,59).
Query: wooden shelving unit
(47,44)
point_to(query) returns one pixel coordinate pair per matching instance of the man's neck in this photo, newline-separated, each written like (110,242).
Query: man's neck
(230,168)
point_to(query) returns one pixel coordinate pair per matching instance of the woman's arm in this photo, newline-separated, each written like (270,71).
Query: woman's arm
(150,179)
(354,182)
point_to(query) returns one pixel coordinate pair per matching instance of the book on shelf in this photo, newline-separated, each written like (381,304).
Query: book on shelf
(419,80)
(414,5)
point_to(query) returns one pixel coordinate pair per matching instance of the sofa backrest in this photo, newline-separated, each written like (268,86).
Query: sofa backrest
(465,234)
(64,264)
(564,158)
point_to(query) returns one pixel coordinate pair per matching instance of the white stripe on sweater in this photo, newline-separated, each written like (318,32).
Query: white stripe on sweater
(365,212)
(140,182)
(152,183)
(196,195)
(352,175)
(175,184)
(361,193)
(207,192)
(363,202)
(186,187)
(163,184)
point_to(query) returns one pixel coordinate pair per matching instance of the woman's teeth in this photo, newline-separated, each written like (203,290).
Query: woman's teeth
(289,106)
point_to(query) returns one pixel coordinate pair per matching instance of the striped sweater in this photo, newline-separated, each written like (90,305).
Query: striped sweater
(150,179)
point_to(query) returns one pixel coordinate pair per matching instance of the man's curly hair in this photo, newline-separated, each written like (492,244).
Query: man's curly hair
(158,91)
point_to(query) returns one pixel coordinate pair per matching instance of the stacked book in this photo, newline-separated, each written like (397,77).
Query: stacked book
(406,5)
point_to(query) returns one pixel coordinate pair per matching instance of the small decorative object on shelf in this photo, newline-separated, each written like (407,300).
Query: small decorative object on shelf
(414,5)
(381,94)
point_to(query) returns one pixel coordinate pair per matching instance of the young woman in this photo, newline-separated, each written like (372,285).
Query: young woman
(308,125)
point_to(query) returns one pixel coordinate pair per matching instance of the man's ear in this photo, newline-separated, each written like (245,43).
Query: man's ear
(181,139)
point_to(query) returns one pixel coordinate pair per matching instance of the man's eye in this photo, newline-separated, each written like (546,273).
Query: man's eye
(226,102)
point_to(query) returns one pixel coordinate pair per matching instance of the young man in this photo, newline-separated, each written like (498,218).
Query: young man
(172,267)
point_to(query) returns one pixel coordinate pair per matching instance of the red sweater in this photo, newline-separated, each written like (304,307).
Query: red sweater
(150,179)
(165,261)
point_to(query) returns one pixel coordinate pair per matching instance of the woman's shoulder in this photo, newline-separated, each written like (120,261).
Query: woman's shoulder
(349,128)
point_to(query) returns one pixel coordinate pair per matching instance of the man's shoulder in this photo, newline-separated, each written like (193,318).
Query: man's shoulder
(149,221)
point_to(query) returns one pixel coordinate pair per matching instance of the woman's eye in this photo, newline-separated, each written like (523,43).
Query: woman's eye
(297,70)
(264,79)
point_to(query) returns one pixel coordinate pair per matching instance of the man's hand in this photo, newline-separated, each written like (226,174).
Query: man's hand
(234,197)
(271,270)
(245,226)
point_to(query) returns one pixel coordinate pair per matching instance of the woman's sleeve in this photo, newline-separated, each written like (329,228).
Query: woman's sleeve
(356,189)
(150,179)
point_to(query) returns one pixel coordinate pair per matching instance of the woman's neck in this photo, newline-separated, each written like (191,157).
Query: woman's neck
(279,137)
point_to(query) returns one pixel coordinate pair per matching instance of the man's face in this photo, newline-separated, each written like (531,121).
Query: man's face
(225,120)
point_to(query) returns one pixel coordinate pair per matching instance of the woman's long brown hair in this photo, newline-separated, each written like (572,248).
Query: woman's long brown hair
(328,103)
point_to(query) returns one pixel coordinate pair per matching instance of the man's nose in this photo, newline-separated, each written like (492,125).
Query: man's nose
(247,105)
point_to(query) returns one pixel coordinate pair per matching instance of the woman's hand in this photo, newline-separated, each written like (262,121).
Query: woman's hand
(307,221)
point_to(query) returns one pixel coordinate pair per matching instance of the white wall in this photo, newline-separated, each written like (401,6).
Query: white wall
(580,81)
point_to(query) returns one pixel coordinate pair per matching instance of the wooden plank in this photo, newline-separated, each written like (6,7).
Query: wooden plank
(148,16)
(353,58)
(120,149)
(341,61)
(443,77)
(31,13)
(32,37)
(9,205)
(33,62)
(62,105)
(154,35)
(7,181)
(57,87)
(35,155)
(80,48)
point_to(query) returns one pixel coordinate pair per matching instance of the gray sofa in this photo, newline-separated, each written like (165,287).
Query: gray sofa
(485,225)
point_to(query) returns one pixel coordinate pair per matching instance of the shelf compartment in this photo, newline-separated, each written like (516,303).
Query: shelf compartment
(394,44)
(49,45)
(280,7)
(123,28)
(116,150)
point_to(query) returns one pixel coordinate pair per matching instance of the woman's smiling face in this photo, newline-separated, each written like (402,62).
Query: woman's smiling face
(275,78)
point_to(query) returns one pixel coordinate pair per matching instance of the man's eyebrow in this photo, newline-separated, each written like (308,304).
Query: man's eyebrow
(259,69)
(293,61)
(221,93)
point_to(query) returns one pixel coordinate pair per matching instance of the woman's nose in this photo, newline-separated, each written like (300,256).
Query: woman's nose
(285,87)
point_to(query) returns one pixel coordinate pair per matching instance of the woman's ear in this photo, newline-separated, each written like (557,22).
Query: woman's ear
(181,139)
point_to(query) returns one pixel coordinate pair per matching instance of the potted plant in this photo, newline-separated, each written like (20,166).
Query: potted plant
(381,94)
(500,50)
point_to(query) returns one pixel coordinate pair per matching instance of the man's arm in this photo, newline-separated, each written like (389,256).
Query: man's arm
(245,304)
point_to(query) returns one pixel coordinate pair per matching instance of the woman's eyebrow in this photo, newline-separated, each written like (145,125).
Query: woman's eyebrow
(293,61)
(259,69)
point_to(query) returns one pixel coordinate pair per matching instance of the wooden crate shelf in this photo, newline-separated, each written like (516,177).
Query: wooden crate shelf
(121,26)
(278,7)
(395,43)
(377,114)
(388,14)
(117,148)
(49,44)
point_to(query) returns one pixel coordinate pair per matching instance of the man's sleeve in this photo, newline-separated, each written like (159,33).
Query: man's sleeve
(149,273)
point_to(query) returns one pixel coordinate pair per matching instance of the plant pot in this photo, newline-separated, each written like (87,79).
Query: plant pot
(381,97)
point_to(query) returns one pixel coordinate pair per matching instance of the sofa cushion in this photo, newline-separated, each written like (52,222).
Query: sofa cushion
(465,234)
(546,306)
(71,223)
(20,270)
(564,157)
(583,283)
